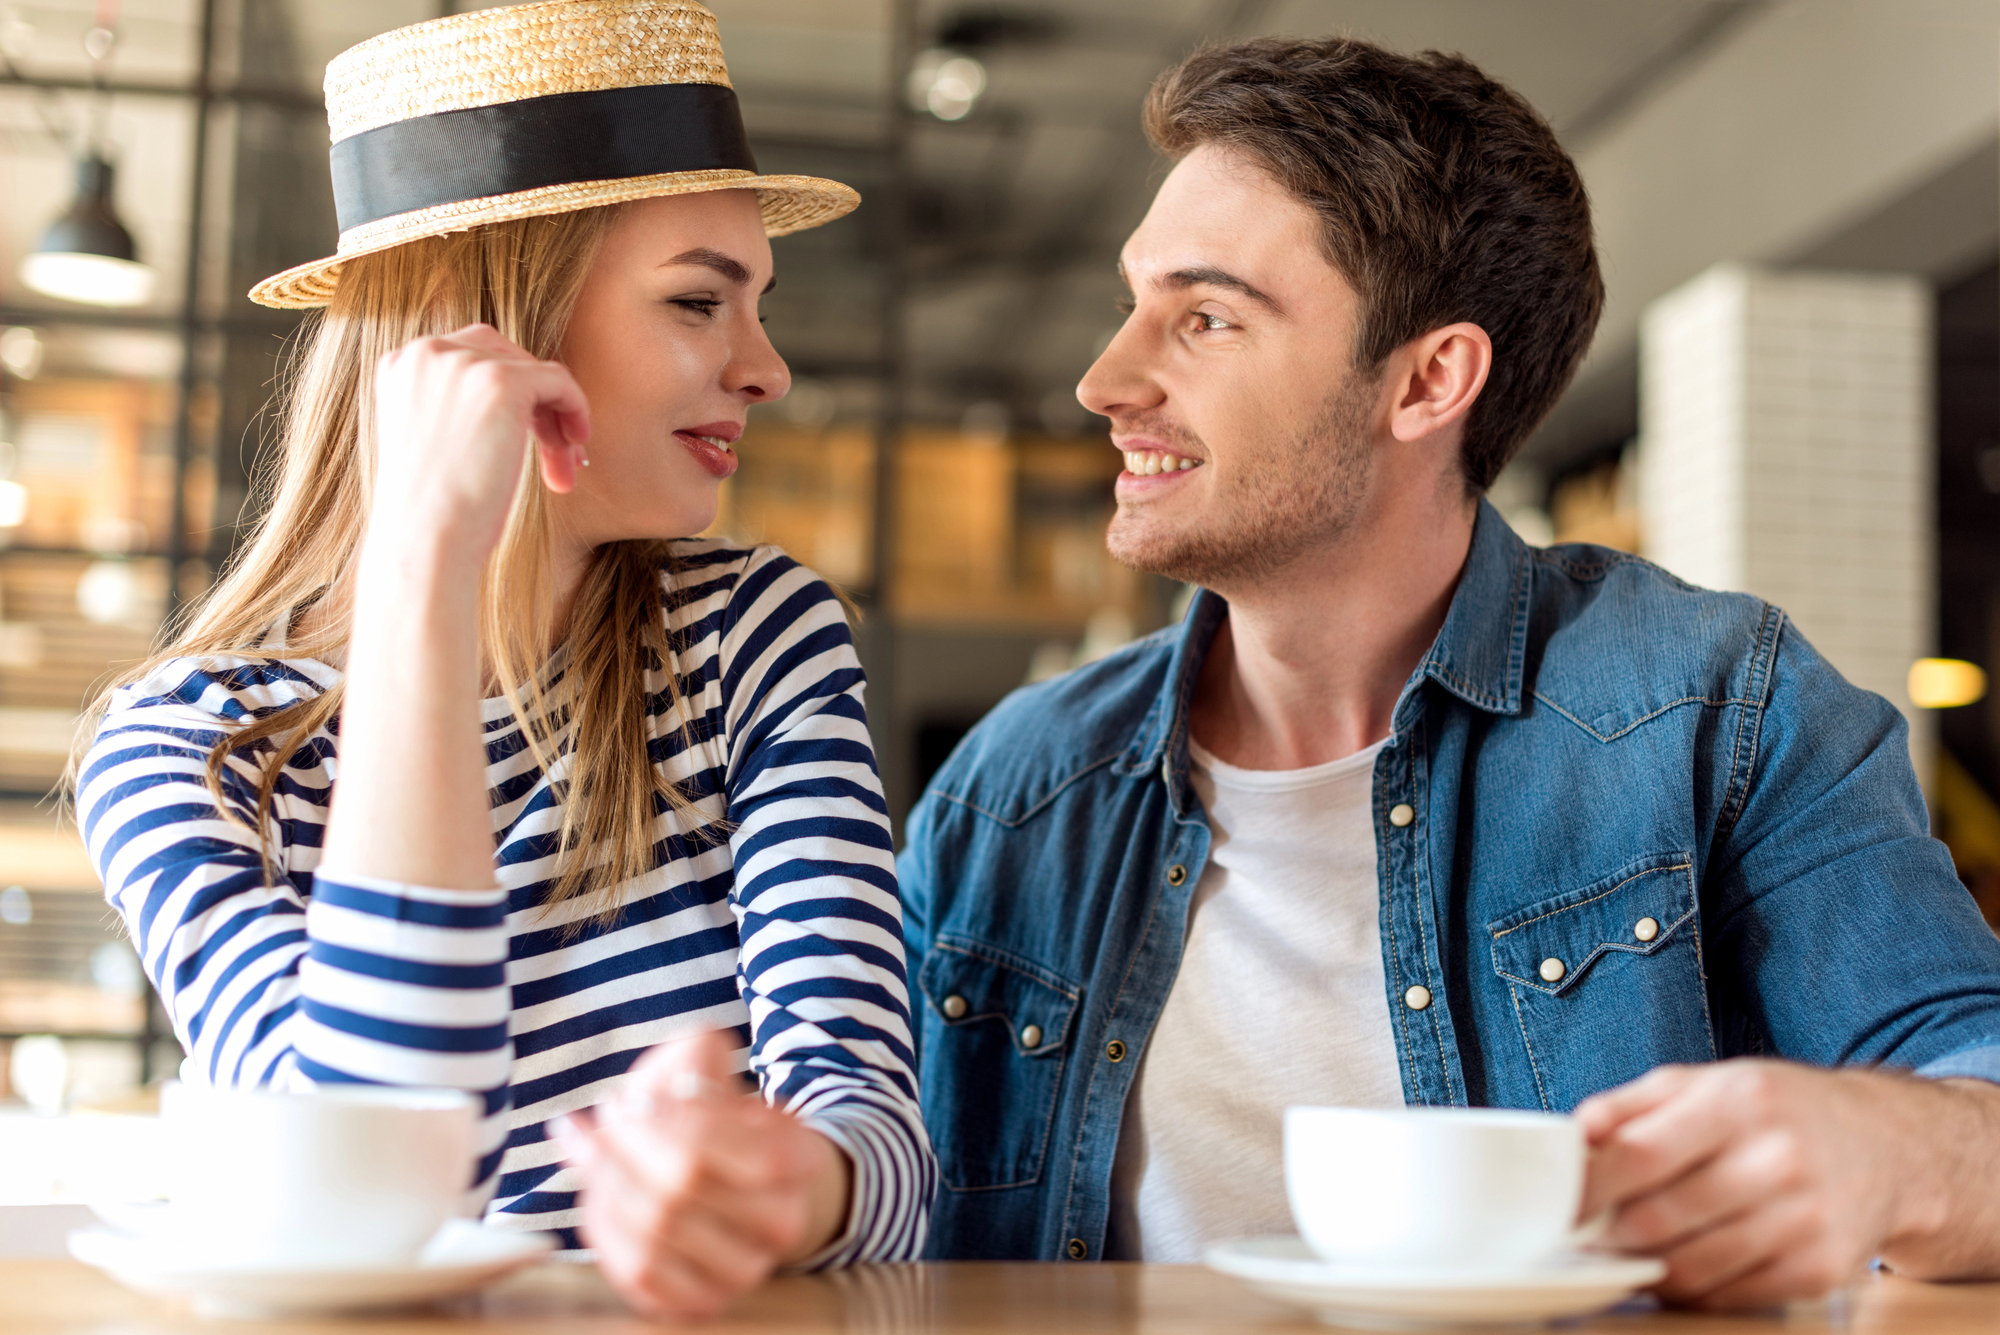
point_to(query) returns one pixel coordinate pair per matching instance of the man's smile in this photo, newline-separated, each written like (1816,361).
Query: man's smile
(1145,463)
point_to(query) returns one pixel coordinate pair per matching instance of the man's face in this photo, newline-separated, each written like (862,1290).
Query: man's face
(1247,435)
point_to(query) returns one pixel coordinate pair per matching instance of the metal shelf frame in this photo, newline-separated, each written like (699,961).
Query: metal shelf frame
(190,325)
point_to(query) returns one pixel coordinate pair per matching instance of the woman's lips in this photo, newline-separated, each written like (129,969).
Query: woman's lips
(710,448)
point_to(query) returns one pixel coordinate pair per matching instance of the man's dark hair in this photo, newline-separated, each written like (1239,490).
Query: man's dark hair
(1442,197)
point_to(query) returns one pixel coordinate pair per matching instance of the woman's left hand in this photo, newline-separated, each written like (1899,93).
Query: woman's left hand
(694,1192)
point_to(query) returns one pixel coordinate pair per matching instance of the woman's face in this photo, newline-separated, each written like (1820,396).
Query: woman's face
(667,346)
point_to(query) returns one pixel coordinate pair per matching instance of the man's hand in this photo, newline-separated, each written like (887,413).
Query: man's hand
(1759,1182)
(694,1191)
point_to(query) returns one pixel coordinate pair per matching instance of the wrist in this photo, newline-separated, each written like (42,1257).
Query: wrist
(1942,1221)
(829,1200)
(415,560)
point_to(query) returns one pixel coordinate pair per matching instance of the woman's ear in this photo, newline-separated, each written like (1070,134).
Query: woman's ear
(1438,377)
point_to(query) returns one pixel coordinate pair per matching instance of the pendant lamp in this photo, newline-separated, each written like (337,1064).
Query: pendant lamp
(87,255)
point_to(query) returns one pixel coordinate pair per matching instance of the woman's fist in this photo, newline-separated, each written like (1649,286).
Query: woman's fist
(453,415)
(693,1190)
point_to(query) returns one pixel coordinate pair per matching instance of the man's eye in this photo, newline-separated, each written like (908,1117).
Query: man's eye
(1210,323)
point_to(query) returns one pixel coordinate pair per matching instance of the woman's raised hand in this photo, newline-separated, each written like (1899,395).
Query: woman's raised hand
(452,415)
(693,1190)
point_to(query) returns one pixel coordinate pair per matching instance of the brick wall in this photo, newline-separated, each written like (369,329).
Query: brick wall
(1786,451)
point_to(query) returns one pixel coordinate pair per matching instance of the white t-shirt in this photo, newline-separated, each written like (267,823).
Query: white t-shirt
(1280,999)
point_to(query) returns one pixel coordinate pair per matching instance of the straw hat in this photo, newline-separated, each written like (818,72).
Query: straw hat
(534,109)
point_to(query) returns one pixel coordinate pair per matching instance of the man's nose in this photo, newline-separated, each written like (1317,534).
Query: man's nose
(1118,380)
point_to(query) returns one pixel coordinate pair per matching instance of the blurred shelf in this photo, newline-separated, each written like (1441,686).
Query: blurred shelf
(43,857)
(992,533)
(72,1010)
(77,553)
(275,324)
(294,99)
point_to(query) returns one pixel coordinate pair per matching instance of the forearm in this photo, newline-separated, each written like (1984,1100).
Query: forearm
(410,798)
(1948,1223)
(406,984)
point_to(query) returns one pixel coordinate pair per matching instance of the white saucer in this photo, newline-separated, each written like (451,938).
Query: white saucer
(462,1257)
(1377,1299)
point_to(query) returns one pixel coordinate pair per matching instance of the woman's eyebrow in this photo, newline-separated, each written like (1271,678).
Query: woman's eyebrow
(733,270)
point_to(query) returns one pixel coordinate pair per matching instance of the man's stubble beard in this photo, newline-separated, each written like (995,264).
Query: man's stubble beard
(1299,501)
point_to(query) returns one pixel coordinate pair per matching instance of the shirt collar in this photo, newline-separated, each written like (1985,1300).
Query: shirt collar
(1479,654)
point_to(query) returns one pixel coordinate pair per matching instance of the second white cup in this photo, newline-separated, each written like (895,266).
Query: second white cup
(340,1177)
(1458,1189)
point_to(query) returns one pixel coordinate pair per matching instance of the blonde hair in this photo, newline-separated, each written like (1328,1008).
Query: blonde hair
(523,278)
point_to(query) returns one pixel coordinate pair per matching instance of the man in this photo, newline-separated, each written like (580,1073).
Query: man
(1406,811)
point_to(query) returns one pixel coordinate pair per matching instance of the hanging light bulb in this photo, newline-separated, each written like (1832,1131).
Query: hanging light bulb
(945,83)
(21,352)
(87,255)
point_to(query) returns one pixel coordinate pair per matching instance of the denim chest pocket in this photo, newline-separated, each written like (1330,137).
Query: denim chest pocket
(1000,1025)
(1607,980)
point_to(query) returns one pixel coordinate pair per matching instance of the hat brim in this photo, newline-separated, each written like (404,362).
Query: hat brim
(789,204)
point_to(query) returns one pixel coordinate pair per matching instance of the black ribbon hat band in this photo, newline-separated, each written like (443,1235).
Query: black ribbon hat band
(559,139)
(525,110)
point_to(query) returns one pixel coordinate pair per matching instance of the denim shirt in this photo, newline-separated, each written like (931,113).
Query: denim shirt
(1589,743)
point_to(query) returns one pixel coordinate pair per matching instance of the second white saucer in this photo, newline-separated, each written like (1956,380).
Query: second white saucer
(462,1257)
(1571,1285)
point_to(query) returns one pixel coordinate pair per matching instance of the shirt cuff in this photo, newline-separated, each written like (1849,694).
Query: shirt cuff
(841,1251)
(1980,1063)
(887,1208)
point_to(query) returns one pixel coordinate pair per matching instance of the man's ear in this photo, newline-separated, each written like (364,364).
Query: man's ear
(1436,379)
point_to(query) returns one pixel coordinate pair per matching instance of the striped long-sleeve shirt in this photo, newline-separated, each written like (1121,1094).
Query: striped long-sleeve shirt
(777,917)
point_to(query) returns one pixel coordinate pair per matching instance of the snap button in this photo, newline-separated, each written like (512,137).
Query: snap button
(1553,969)
(1176,874)
(1031,1036)
(1402,814)
(1077,1251)
(954,1006)
(1417,998)
(1646,928)
(1115,1049)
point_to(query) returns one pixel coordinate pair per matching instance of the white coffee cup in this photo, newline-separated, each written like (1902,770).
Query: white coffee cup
(1459,1189)
(340,1177)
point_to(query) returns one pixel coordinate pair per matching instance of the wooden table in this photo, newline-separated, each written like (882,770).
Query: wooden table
(67,1298)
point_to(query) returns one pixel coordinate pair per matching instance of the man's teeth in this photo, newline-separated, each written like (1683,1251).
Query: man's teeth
(1145,463)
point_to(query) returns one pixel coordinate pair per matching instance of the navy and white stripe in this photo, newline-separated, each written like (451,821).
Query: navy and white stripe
(777,915)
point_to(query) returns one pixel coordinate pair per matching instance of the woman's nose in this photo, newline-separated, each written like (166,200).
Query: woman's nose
(757,372)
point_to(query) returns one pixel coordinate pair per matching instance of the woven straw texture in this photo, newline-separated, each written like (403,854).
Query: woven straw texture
(789,204)
(492,56)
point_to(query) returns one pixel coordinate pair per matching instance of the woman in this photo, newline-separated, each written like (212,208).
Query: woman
(472,771)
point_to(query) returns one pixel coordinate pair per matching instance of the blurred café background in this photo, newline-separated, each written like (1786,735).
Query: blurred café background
(1795,390)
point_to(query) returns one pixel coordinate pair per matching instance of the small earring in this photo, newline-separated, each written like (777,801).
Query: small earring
(586,461)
